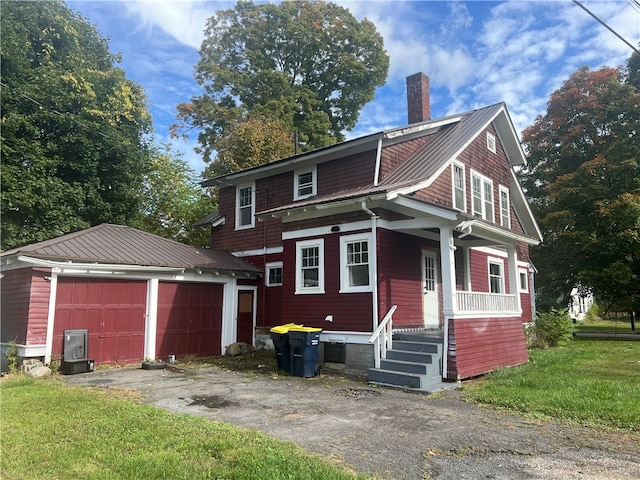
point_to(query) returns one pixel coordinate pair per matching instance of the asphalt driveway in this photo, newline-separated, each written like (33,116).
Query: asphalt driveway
(389,433)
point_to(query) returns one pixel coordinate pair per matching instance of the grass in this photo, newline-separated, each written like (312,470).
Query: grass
(607,326)
(53,431)
(593,383)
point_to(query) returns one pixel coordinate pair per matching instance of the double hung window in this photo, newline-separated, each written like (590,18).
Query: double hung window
(482,195)
(245,205)
(459,188)
(305,182)
(355,265)
(310,266)
(496,275)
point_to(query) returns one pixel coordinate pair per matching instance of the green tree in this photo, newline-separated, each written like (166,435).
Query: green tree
(583,179)
(74,128)
(173,200)
(307,66)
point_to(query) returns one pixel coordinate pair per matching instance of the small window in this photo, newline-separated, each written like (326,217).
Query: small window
(355,274)
(274,274)
(245,200)
(310,266)
(459,189)
(524,280)
(482,196)
(505,208)
(491,143)
(496,277)
(304,184)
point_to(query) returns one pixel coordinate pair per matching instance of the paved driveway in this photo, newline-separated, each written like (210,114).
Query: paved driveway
(389,433)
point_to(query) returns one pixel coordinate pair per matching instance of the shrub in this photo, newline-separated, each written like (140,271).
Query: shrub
(593,314)
(553,328)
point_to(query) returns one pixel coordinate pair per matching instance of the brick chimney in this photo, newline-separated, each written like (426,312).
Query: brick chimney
(418,104)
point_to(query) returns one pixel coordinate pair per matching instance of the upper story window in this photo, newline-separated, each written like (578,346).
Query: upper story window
(305,182)
(355,267)
(310,266)
(491,143)
(505,209)
(245,206)
(496,275)
(459,187)
(274,274)
(482,196)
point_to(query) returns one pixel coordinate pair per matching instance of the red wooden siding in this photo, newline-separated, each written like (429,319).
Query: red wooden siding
(269,303)
(189,319)
(400,276)
(112,310)
(346,173)
(480,271)
(25,305)
(482,345)
(351,311)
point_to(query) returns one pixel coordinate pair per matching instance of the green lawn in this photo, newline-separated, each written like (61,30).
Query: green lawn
(52,431)
(594,383)
(607,326)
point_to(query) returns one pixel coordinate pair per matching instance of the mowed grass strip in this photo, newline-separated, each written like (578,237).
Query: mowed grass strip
(52,431)
(593,383)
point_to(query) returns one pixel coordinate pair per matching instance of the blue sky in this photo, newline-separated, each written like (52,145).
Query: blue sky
(476,53)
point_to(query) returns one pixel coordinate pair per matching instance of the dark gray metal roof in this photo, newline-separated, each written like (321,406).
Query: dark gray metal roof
(208,219)
(118,244)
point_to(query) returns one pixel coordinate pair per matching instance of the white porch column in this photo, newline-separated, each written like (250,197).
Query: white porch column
(151,326)
(448,267)
(514,277)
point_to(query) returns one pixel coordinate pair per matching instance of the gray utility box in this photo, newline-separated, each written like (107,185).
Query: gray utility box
(75,355)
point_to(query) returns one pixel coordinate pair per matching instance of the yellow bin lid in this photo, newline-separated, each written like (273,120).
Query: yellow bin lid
(305,329)
(285,328)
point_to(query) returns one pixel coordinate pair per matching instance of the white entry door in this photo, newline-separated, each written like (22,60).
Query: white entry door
(430,309)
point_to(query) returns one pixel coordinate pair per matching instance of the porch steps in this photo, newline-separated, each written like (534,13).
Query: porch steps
(414,363)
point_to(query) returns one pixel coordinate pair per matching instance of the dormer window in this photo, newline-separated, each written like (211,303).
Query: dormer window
(491,143)
(245,202)
(305,182)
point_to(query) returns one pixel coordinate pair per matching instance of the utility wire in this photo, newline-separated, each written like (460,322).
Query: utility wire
(606,26)
(42,105)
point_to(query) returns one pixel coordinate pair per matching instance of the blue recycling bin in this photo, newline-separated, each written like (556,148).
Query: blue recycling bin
(303,344)
(280,338)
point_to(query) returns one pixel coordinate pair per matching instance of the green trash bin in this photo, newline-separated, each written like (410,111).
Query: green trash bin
(280,337)
(303,343)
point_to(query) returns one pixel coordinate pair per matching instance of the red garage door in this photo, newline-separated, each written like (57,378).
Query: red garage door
(189,319)
(112,310)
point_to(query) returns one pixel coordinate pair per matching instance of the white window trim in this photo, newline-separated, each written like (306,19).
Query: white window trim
(251,186)
(502,189)
(491,142)
(524,271)
(344,272)
(319,242)
(464,185)
(296,176)
(483,180)
(269,266)
(496,261)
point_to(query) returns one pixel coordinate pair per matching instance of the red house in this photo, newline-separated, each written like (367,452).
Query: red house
(421,231)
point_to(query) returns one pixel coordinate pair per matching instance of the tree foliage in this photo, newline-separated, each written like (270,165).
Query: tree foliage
(299,66)
(73,126)
(583,179)
(172,200)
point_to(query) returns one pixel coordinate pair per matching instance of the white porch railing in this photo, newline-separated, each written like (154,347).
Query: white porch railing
(485,302)
(382,337)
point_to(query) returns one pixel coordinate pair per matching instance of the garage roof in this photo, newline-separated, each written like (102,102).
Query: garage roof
(118,244)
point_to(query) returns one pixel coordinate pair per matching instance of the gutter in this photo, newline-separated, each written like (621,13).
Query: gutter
(374,262)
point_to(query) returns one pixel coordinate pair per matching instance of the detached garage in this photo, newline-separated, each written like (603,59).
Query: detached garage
(137,295)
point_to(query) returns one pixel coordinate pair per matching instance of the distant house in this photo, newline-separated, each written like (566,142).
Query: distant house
(425,224)
(580,302)
(138,295)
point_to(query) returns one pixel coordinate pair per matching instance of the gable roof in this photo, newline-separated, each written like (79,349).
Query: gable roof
(118,244)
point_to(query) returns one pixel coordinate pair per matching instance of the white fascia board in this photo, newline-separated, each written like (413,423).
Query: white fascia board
(94,267)
(521,206)
(258,251)
(420,128)
(424,208)
(493,233)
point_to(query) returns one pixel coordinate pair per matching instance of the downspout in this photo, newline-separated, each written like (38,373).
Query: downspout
(374,262)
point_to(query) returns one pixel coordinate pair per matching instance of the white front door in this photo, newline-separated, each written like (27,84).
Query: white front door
(430,304)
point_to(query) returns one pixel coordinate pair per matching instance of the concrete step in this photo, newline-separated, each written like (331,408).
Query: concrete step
(409,356)
(413,346)
(391,377)
(404,366)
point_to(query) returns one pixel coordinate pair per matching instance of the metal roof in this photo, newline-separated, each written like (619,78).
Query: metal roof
(118,244)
